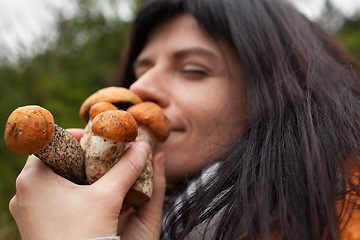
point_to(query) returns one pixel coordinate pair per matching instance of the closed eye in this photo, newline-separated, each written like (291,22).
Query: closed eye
(141,66)
(194,69)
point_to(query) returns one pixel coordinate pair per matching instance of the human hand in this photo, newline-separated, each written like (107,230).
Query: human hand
(145,223)
(49,206)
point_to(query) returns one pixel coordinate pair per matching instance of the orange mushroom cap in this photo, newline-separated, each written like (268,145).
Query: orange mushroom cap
(29,129)
(153,118)
(115,125)
(115,95)
(100,107)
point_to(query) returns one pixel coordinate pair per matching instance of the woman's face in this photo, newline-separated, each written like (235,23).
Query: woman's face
(200,85)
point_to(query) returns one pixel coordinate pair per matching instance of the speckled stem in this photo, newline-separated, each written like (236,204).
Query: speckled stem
(141,191)
(65,155)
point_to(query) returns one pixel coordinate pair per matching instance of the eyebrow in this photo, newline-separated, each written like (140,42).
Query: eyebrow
(179,54)
(141,62)
(197,51)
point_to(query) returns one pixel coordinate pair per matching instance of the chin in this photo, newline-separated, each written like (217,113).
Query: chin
(175,168)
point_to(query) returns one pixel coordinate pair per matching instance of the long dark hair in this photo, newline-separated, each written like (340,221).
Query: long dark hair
(292,162)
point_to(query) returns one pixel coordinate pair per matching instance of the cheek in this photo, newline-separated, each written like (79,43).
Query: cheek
(210,114)
(202,106)
(218,122)
(210,118)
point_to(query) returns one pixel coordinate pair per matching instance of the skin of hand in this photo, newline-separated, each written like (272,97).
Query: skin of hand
(145,223)
(49,206)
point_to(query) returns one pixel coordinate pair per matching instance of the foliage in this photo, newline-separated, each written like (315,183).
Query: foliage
(350,35)
(82,59)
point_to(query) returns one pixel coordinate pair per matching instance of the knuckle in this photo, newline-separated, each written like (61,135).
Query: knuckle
(133,169)
(135,165)
(22,183)
(136,161)
(13,206)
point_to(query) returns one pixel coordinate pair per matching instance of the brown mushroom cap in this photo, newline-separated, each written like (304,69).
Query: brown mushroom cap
(101,107)
(153,118)
(114,95)
(29,129)
(115,125)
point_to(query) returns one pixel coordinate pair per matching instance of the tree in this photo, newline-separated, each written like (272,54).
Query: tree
(349,34)
(345,27)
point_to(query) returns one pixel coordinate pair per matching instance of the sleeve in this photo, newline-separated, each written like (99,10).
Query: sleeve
(106,238)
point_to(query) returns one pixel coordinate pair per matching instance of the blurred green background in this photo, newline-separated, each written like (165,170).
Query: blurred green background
(80,60)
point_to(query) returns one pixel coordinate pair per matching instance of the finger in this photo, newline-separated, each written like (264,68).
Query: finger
(153,209)
(37,171)
(76,132)
(34,173)
(124,218)
(159,180)
(35,166)
(121,177)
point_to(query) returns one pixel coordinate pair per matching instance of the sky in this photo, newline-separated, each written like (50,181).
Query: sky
(24,22)
(312,8)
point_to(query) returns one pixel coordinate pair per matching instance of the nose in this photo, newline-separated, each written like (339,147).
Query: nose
(151,87)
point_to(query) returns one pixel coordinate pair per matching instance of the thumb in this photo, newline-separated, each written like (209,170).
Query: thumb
(118,180)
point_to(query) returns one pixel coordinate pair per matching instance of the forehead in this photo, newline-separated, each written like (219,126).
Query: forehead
(183,31)
(179,32)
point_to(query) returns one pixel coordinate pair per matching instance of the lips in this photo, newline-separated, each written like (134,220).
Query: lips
(176,126)
(176,136)
(177,129)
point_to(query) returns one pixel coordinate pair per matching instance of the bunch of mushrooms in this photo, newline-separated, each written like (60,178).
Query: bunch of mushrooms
(110,130)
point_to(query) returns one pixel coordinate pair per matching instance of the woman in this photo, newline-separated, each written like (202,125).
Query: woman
(265,111)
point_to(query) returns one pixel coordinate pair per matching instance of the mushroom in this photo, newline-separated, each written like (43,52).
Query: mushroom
(108,139)
(93,111)
(101,107)
(32,130)
(118,96)
(105,138)
(153,127)
(102,150)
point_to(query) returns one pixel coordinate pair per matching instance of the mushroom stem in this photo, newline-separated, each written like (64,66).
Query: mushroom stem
(100,154)
(65,155)
(153,127)
(141,191)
